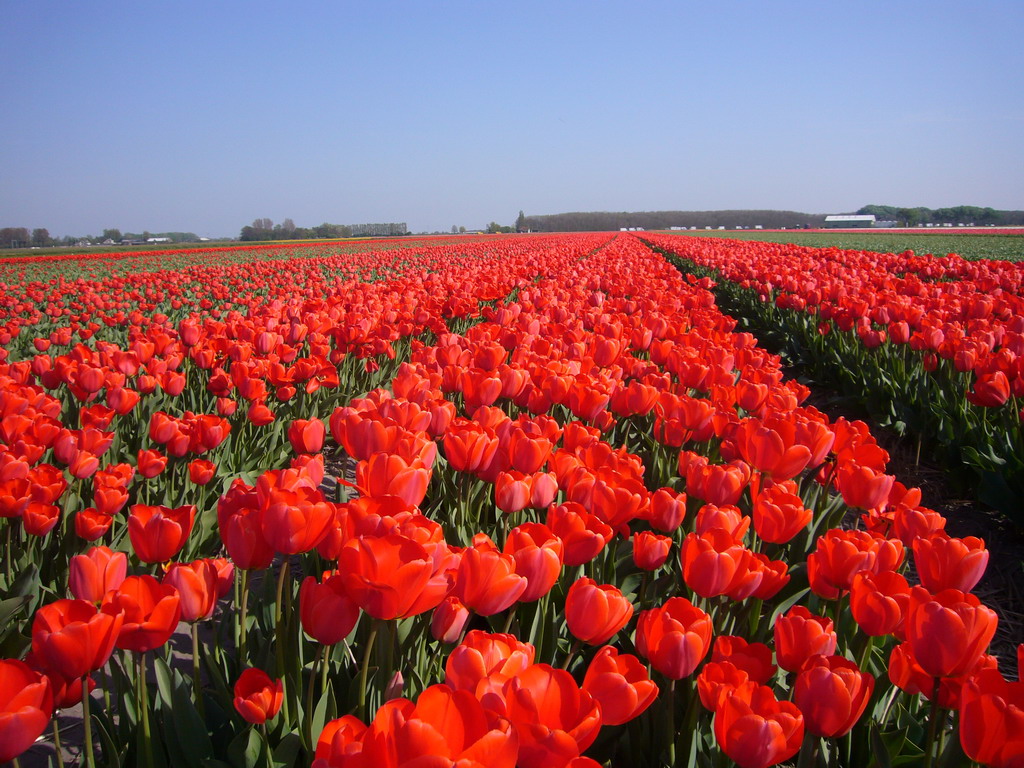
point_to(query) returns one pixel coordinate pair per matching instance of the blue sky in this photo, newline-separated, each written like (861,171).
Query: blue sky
(202,116)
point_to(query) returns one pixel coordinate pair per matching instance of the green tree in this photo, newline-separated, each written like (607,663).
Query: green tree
(521,222)
(40,237)
(112,234)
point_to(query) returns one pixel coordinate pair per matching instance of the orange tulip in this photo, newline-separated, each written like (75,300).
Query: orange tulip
(620,684)
(755,729)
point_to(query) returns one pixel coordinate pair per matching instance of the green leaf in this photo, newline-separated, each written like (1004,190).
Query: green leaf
(196,743)
(247,750)
(163,682)
(287,751)
(878,747)
(786,604)
(320,712)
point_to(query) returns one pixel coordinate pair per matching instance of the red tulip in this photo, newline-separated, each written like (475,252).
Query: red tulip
(594,612)
(389,576)
(484,661)
(779,514)
(753,658)
(674,637)
(948,631)
(556,720)
(151,612)
(650,551)
(240,522)
(487,582)
(93,574)
(196,583)
(158,533)
(799,634)
(26,704)
(449,620)
(621,685)
(755,729)
(947,563)
(327,613)
(840,554)
(257,697)
(583,534)
(151,463)
(73,638)
(879,602)
(201,471)
(306,435)
(538,556)
(832,693)
(992,720)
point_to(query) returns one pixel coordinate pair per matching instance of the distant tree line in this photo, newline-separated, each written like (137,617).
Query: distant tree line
(20,237)
(960,214)
(266,229)
(603,221)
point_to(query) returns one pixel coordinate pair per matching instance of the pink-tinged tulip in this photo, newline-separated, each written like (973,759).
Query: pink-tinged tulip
(449,620)
(196,583)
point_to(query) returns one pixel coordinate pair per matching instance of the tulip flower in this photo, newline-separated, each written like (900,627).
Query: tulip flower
(943,562)
(151,612)
(26,705)
(306,435)
(948,631)
(257,697)
(832,693)
(93,574)
(674,637)
(621,685)
(327,613)
(73,638)
(196,583)
(594,612)
(556,720)
(840,554)
(879,602)
(487,581)
(449,620)
(650,551)
(753,658)
(389,576)
(158,533)
(799,634)
(992,719)
(755,729)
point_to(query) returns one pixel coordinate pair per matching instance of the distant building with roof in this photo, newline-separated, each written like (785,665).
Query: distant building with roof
(850,220)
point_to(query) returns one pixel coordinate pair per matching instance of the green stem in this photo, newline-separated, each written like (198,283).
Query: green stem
(147,743)
(197,687)
(365,670)
(508,620)
(809,751)
(572,652)
(242,629)
(672,722)
(90,757)
(309,694)
(56,744)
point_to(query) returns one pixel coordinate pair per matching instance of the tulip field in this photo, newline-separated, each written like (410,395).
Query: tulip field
(509,501)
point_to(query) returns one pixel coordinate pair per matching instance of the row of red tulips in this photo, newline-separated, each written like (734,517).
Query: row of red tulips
(658,466)
(934,346)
